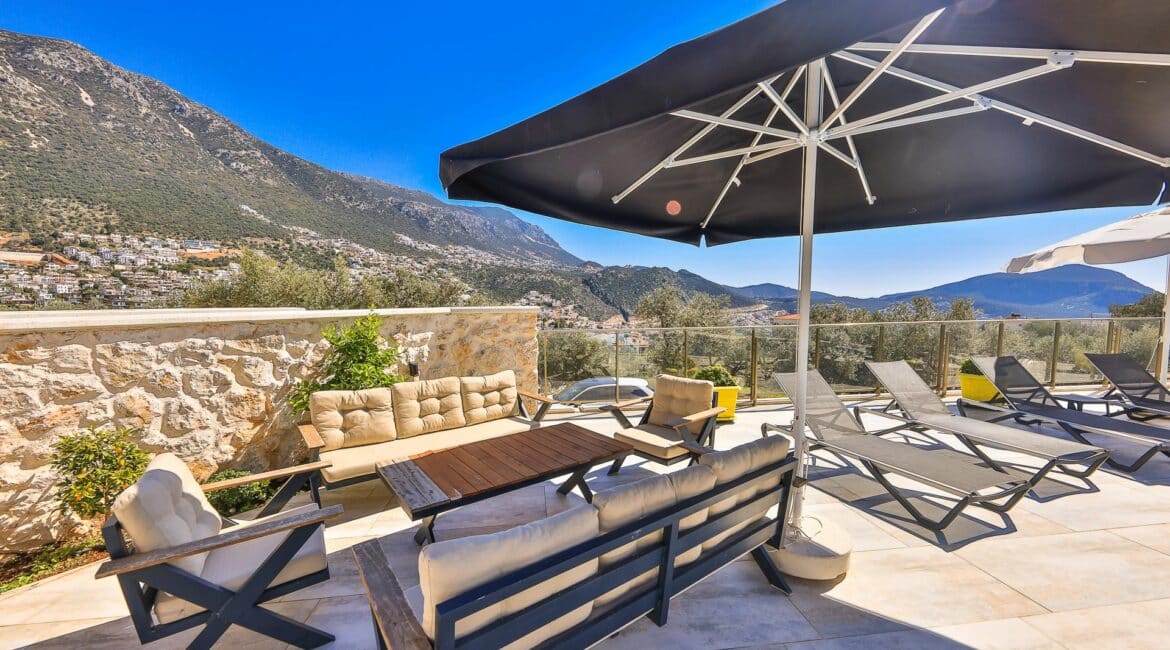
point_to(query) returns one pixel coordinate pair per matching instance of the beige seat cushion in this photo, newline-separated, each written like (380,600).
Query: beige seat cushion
(427,406)
(357,461)
(490,397)
(676,397)
(448,568)
(734,463)
(653,440)
(350,418)
(166,507)
(625,504)
(231,566)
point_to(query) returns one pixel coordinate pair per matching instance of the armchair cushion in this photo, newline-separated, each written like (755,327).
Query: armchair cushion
(734,463)
(676,397)
(231,566)
(350,418)
(166,507)
(449,568)
(653,440)
(427,406)
(490,397)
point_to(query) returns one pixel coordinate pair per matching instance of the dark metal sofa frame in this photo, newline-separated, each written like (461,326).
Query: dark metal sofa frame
(398,628)
(143,575)
(695,443)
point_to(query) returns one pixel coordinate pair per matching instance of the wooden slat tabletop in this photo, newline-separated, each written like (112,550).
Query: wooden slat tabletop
(496,463)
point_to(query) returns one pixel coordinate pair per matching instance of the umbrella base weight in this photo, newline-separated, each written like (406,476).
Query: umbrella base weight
(821,551)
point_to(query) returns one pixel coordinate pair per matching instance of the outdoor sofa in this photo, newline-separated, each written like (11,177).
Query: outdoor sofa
(841,432)
(1030,402)
(180,564)
(1145,398)
(355,430)
(574,578)
(924,409)
(678,423)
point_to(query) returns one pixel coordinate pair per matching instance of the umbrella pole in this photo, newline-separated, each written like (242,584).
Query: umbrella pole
(1163,348)
(814,548)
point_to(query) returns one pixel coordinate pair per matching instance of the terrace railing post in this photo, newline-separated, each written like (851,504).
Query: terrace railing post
(999,338)
(754,372)
(1109,337)
(941,361)
(544,363)
(1055,354)
(879,354)
(686,352)
(817,350)
(617,373)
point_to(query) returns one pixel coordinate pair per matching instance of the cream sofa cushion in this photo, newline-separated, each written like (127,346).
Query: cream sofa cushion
(448,568)
(625,504)
(349,418)
(358,461)
(653,440)
(166,507)
(734,463)
(676,397)
(489,397)
(231,566)
(427,406)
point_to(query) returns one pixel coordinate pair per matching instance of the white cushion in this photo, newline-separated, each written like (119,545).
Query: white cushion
(489,397)
(165,508)
(734,463)
(653,440)
(676,397)
(427,406)
(349,418)
(448,568)
(232,566)
(359,461)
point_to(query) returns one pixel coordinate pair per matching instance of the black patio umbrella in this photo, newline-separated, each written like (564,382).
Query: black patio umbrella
(852,114)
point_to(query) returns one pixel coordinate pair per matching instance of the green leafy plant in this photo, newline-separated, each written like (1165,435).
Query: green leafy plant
(239,499)
(969,368)
(357,359)
(26,568)
(717,375)
(95,465)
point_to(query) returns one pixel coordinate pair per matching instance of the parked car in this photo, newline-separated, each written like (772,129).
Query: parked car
(601,389)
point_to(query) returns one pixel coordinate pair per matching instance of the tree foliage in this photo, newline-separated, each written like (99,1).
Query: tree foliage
(574,355)
(1150,305)
(95,466)
(356,360)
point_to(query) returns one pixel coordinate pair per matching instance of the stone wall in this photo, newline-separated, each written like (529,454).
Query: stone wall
(208,385)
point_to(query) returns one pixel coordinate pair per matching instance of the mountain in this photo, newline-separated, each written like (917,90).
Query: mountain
(1064,291)
(84,143)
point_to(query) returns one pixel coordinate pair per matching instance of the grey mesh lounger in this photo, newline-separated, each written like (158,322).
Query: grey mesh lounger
(924,408)
(836,429)
(1029,399)
(1145,397)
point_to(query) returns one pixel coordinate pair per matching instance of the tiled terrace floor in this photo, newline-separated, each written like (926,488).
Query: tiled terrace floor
(1077,564)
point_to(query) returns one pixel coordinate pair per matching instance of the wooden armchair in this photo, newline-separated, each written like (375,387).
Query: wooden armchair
(180,564)
(678,424)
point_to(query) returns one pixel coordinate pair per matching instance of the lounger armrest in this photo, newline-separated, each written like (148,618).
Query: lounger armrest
(535,396)
(394,621)
(267,476)
(695,418)
(311,437)
(785,429)
(230,537)
(857,411)
(626,404)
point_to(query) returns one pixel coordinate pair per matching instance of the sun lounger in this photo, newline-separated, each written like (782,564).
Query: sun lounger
(1146,398)
(924,408)
(950,471)
(1028,398)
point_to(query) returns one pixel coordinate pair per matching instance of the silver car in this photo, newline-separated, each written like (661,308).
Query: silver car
(601,389)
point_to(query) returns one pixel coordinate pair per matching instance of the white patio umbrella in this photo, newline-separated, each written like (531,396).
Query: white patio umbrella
(1139,237)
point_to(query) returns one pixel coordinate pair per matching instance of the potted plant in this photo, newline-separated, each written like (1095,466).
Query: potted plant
(726,390)
(974,385)
(358,358)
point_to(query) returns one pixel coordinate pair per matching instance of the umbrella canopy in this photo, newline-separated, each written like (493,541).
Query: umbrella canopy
(990,108)
(1140,237)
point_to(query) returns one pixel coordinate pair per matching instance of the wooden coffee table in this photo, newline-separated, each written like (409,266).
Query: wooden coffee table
(437,481)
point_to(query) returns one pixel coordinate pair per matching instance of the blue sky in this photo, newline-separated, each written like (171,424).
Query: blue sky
(380,88)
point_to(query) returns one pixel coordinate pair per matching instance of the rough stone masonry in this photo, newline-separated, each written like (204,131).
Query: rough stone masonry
(208,385)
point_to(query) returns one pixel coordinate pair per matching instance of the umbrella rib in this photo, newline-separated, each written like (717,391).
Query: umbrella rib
(829,86)
(1086,56)
(1027,115)
(783,145)
(877,71)
(739,165)
(737,124)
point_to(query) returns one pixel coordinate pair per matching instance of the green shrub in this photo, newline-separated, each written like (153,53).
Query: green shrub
(969,368)
(96,465)
(239,499)
(356,360)
(717,375)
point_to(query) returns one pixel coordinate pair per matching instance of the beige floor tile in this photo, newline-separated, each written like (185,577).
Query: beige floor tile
(917,587)
(348,619)
(1075,570)
(1156,537)
(1133,626)
(866,536)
